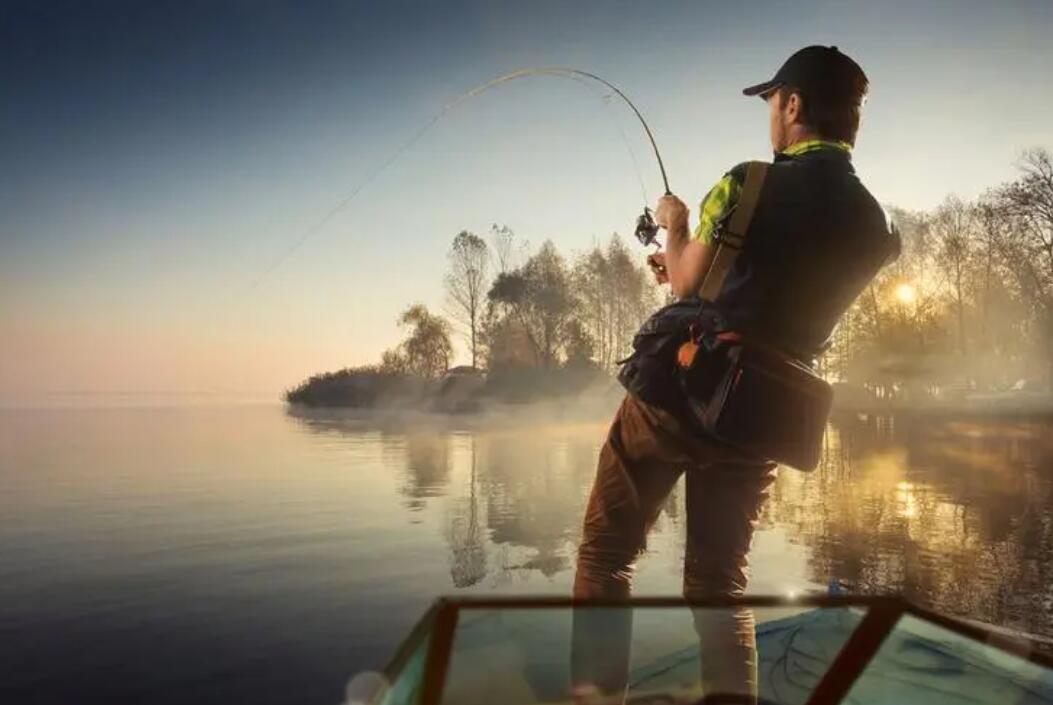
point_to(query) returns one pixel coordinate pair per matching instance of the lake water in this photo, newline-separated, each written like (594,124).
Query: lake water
(243,554)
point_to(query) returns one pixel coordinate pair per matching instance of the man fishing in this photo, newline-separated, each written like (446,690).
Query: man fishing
(816,239)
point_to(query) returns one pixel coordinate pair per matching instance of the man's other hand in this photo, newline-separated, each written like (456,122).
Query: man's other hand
(671,214)
(657,264)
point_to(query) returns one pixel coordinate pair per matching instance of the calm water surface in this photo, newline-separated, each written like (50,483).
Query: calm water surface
(242,554)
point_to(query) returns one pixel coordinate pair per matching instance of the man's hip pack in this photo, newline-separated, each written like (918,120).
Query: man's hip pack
(737,390)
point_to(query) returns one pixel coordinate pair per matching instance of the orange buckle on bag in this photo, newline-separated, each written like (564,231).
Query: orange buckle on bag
(685,354)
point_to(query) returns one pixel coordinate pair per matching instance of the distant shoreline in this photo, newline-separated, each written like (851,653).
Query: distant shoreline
(135,400)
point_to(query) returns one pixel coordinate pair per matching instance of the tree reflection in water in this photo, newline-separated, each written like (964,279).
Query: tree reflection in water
(426,470)
(522,503)
(955,514)
(464,531)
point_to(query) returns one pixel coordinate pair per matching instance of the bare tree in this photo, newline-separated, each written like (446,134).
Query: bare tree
(502,239)
(1026,243)
(1028,201)
(467,283)
(952,228)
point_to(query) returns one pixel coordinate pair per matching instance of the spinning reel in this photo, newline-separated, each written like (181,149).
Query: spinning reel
(646,229)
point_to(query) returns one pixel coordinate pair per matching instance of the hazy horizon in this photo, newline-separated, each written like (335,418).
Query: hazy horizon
(159,158)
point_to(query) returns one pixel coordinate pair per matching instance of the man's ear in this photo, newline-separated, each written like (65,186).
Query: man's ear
(794,109)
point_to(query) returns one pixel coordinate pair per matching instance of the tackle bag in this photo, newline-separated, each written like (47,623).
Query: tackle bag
(756,398)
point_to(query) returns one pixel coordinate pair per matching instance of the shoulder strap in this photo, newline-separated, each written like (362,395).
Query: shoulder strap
(734,236)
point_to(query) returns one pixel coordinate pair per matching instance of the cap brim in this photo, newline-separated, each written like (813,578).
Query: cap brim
(761,88)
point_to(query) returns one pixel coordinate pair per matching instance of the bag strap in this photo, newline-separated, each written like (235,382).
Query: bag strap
(734,236)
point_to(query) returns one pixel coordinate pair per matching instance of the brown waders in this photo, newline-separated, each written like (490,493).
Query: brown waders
(646,451)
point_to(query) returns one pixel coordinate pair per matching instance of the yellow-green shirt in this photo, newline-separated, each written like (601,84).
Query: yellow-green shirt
(721,199)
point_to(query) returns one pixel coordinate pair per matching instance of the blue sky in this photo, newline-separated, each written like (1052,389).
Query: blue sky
(158,157)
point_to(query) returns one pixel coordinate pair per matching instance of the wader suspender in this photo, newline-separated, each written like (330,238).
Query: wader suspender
(733,238)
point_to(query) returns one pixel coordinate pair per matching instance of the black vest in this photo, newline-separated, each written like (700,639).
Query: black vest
(816,240)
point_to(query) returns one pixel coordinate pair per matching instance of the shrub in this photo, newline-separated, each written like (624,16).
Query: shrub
(362,387)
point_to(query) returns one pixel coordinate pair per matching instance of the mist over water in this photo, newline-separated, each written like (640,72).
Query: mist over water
(246,554)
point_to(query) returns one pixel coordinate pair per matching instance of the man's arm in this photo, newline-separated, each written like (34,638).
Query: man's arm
(687,260)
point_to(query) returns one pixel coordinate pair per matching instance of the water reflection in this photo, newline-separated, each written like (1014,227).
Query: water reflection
(949,513)
(465,533)
(163,555)
(954,514)
(426,464)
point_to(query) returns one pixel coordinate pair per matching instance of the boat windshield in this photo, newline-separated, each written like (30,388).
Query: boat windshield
(766,651)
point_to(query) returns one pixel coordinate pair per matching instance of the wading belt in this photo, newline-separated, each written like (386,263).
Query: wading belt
(731,240)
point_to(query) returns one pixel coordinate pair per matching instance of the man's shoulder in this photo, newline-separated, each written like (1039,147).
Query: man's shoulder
(738,172)
(720,201)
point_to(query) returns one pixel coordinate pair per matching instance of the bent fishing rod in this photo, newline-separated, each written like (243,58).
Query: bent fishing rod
(646,230)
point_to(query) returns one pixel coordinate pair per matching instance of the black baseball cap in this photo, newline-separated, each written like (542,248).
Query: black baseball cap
(817,70)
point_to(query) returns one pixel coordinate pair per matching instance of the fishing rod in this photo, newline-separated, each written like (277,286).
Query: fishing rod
(645,230)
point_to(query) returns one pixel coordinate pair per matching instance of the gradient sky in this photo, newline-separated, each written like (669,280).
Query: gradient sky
(159,157)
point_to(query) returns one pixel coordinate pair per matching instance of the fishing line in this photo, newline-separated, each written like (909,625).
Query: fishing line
(645,228)
(605,98)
